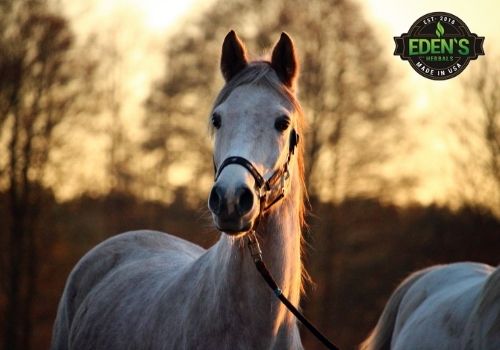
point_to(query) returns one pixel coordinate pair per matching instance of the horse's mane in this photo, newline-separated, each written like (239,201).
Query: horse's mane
(261,73)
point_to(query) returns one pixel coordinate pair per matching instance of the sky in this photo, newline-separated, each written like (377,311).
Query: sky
(139,29)
(148,22)
(429,101)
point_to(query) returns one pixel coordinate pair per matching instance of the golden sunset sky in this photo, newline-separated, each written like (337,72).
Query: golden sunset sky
(141,28)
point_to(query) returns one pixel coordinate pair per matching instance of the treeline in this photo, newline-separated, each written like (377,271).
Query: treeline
(60,93)
(374,246)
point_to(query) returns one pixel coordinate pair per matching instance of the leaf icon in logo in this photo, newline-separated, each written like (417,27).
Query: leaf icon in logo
(439,30)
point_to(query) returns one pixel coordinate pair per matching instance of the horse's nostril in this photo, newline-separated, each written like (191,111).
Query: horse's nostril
(215,200)
(245,200)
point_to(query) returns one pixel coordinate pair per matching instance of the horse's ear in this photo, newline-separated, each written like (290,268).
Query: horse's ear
(284,60)
(234,56)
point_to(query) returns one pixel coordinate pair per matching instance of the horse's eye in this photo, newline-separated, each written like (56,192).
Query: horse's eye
(282,123)
(216,121)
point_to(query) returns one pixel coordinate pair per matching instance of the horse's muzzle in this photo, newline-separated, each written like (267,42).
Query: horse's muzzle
(231,211)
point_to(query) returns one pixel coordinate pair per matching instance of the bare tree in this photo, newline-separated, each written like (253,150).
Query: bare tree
(346,89)
(43,82)
(477,129)
(120,147)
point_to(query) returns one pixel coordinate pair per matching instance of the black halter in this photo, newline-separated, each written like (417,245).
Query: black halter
(264,187)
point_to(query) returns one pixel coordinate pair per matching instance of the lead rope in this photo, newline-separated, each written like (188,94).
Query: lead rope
(256,252)
(253,243)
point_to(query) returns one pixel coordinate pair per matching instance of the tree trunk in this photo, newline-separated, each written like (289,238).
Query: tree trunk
(14,253)
(329,272)
(30,294)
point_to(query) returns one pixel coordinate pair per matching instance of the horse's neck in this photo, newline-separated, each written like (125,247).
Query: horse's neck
(242,289)
(280,240)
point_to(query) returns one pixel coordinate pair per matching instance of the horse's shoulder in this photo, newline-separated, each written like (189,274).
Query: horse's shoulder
(148,241)
(115,252)
(133,245)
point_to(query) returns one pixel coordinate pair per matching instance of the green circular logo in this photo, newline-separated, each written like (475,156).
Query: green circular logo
(439,46)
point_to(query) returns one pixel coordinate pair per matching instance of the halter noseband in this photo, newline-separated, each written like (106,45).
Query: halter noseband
(264,187)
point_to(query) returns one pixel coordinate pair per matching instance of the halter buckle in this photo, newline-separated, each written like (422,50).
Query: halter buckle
(262,192)
(284,179)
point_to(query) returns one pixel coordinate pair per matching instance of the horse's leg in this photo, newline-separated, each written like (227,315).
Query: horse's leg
(381,336)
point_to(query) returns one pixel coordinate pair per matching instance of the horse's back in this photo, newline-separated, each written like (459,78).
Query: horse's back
(436,308)
(139,252)
(441,307)
(381,336)
(483,328)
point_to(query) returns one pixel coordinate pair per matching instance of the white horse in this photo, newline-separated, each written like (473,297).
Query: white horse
(455,307)
(151,290)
